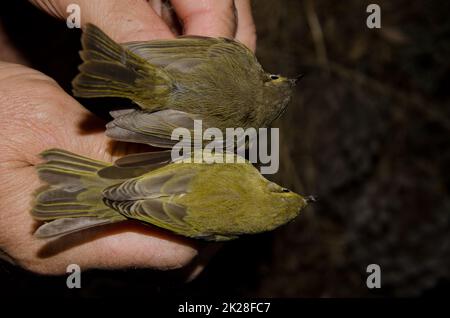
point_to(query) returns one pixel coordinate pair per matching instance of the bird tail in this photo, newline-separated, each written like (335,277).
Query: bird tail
(72,199)
(111,70)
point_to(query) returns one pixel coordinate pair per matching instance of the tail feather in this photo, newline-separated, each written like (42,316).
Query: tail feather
(96,40)
(64,168)
(111,70)
(74,190)
(59,156)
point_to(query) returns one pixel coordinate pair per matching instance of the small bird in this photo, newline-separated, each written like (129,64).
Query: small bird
(210,201)
(174,82)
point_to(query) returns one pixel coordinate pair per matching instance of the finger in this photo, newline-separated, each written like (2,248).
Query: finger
(207,17)
(246,30)
(156,6)
(206,253)
(123,20)
(121,245)
(167,14)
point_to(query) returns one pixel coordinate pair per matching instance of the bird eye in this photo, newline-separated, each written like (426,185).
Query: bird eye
(274,77)
(285,190)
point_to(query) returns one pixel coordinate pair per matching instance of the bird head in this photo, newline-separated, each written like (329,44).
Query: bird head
(277,94)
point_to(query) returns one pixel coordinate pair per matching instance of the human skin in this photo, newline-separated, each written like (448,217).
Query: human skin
(36,114)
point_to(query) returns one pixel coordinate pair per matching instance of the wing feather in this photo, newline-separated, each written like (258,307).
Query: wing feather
(186,53)
(135,165)
(151,199)
(149,128)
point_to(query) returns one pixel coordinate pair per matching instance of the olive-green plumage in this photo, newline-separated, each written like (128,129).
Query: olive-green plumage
(217,80)
(217,201)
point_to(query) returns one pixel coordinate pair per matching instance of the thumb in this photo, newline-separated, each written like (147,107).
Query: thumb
(123,20)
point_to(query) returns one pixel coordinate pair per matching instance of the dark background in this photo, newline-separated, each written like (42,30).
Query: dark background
(367,132)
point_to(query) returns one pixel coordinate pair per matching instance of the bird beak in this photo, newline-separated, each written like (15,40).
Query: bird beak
(310,199)
(294,81)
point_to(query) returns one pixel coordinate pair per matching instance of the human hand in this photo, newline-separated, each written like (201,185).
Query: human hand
(36,114)
(140,20)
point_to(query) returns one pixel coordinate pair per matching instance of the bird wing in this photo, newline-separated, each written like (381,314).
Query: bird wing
(134,165)
(151,199)
(162,214)
(186,53)
(149,128)
(164,182)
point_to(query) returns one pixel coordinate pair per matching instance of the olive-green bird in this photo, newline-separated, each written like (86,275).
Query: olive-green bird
(217,201)
(175,82)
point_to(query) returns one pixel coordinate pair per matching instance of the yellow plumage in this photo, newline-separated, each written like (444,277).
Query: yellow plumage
(217,201)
